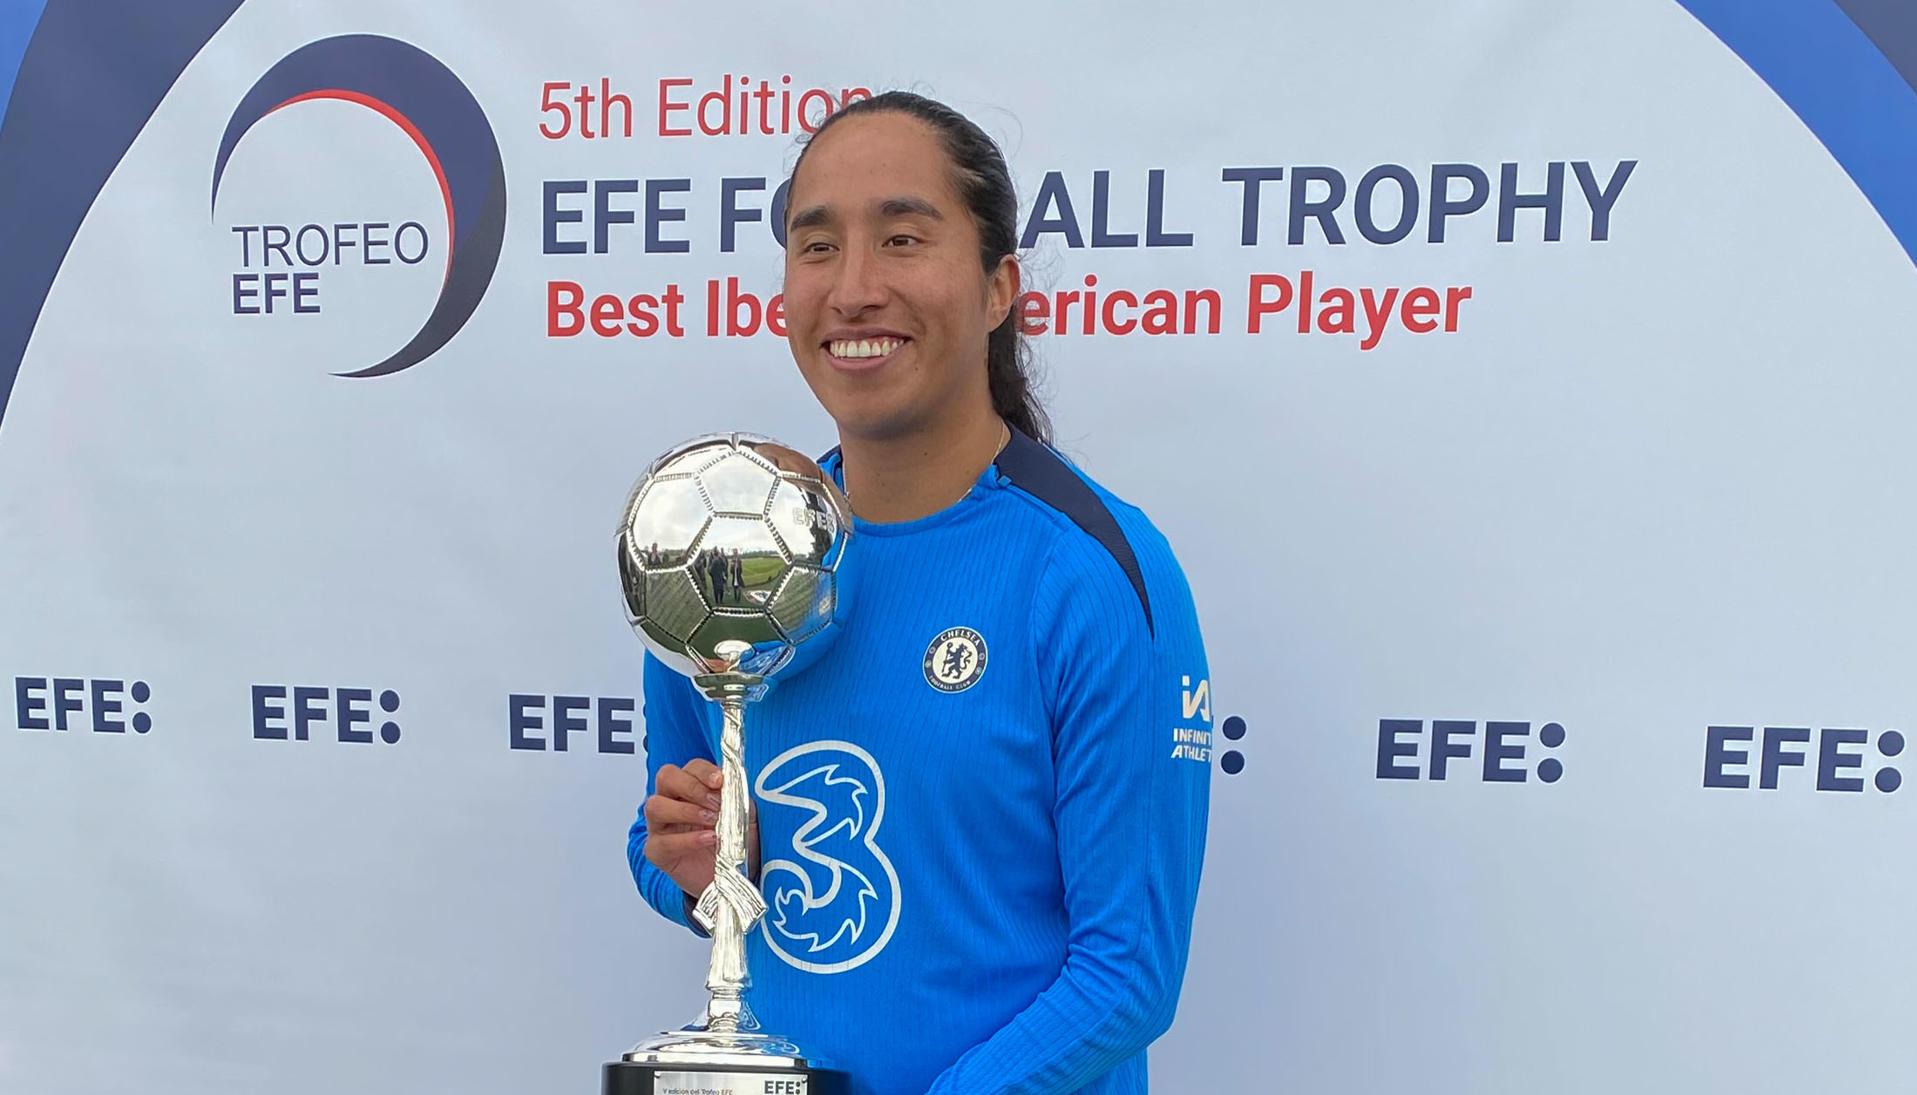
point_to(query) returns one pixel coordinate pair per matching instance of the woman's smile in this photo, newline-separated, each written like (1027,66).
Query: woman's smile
(863,351)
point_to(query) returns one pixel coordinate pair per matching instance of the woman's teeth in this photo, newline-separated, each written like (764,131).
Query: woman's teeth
(863,347)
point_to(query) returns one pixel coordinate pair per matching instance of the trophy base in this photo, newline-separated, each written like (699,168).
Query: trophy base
(702,1078)
(697,1061)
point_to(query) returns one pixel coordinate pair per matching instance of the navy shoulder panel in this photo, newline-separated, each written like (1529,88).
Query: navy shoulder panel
(825,462)
(1038,471)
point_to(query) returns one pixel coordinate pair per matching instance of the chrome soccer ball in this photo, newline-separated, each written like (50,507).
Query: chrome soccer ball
(731,557)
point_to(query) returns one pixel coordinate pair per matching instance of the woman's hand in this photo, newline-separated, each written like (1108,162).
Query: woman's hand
(682,817)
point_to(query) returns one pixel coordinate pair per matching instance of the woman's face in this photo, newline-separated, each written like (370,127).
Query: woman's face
(887,308)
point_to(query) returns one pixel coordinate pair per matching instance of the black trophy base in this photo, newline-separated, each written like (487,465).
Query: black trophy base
(631,1078)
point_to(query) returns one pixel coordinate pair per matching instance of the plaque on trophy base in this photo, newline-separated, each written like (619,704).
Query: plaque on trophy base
(633,1078)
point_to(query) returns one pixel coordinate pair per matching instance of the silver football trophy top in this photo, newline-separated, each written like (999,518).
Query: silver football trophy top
(733,539)
(732,555)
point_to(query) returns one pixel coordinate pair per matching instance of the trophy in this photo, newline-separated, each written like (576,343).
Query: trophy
(732,561)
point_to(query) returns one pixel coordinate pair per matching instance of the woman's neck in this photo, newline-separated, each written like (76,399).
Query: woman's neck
(903,478)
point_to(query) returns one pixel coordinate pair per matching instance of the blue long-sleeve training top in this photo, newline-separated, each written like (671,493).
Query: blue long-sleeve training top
(982,811)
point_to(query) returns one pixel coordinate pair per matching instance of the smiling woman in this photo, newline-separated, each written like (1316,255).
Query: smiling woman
(994,826)
(880,246)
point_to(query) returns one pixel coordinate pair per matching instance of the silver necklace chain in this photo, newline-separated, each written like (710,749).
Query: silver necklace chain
(1003,441)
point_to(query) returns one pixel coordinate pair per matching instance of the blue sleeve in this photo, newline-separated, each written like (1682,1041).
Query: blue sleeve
(1130,810)
(674,735)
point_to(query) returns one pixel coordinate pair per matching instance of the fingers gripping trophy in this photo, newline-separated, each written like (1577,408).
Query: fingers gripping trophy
(732,560)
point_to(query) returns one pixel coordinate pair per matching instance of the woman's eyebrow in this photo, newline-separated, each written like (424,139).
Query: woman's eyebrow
(816,215)
(890,207)
(906,207)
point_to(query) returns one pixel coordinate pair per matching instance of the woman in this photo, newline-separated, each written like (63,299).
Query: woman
(980,848)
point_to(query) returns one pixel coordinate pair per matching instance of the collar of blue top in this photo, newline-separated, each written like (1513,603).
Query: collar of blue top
(1037,469)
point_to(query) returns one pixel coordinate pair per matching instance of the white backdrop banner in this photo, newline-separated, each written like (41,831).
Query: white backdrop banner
(1526,389)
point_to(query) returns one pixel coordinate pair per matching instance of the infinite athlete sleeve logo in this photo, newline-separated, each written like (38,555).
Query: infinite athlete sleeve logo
(422,96)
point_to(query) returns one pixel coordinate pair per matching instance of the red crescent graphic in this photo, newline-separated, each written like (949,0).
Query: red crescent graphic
(405,123)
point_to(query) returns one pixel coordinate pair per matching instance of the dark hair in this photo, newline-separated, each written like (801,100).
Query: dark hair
(985,183)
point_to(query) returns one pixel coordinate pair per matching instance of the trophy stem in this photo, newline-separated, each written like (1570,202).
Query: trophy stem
(731,906)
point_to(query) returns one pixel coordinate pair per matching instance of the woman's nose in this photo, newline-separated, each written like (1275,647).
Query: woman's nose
(857,286)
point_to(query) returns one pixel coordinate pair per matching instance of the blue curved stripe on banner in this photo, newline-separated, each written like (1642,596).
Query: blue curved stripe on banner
(1892,24)
(1828,69)
(16,27)
(109,62)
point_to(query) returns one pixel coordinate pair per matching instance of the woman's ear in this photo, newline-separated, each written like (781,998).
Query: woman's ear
(1001,290)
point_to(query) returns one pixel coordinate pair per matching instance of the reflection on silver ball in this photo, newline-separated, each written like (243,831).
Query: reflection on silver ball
(732,553)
